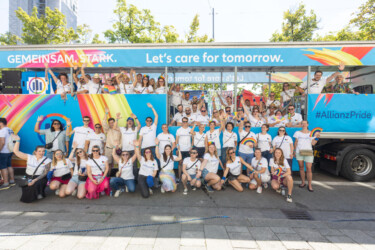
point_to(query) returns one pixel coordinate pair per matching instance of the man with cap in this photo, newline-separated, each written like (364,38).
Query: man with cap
(95,85)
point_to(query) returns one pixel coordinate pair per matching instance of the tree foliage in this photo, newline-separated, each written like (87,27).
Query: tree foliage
(297,26)
(8,39)
(47,29)
(192,36)
(365,20)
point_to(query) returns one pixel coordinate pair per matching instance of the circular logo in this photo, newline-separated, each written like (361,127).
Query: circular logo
(37,85)
(46,123)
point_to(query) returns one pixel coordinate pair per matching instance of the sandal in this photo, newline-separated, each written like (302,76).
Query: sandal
(302,186)
(310,190)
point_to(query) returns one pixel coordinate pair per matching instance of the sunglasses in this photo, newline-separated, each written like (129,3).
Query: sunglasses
(247,126)
(86,120)
(95,150)
(58,154)
(193,153)
(98,127)
(147,152)
(231,152)
(124,154)
(272,95)
(148,120)
(216,112)
(290,109)
(79,152)
(203,110)
(282,130)
(227,111)
(55,123)
(184,121)
(239,110)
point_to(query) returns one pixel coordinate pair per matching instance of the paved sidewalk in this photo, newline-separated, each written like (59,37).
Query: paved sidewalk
(342,217)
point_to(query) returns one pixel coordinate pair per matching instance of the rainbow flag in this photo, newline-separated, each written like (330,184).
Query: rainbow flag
(278,118)
(278,171)
(315,130)
(247,141)
(202,95)
(110,89)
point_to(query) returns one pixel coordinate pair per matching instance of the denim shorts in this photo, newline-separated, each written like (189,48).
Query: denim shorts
(76,181)
(204,173)
(193,176)
(5,160)
(246,157)
(308,159)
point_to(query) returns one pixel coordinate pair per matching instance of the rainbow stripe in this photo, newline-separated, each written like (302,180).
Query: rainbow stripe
(278,171)
(110,89)
(248,141)
(278,118)
(315,130)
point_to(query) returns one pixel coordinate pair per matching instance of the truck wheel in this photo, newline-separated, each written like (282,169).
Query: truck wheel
(359,165)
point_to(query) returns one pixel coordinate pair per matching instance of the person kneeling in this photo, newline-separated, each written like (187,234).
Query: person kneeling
(61,172)
(281,173)
(191,171)
(210,167)
(124,176)
(261,175)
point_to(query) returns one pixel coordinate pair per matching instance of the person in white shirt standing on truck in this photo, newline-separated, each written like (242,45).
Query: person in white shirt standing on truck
(80,133)
(6,155)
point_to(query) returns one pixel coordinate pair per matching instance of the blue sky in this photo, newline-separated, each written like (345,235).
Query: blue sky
(235,21)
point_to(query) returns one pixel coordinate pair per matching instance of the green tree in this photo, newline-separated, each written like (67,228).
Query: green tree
(365,20)
(84,33)
(297,26)
(96,40)
(345,34)
(192,36)
(9,39)
(46,29)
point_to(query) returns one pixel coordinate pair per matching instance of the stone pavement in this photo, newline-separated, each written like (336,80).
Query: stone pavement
(342,217)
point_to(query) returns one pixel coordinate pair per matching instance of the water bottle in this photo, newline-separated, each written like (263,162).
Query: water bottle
(110,194)
(283,191)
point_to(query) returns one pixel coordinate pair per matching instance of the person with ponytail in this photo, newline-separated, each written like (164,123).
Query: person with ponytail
(76,185)
(61,171)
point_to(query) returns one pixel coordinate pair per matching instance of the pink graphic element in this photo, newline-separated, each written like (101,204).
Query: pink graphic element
(327,99)
(4,99)
(358,52)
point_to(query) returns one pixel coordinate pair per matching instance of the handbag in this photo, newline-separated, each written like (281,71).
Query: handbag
(66,176)
(50,145)
(306,152)
(25,181)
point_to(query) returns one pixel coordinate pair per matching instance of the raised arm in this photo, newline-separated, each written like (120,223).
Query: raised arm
(16,149)
(36,127)
(179,156)
(71,156)
(118,117)
(51,72)
(105,122)
(244,108)
(75,78)
(170,89)
(157,153)
(221,101)
(137,150)
(213,105)
(69,130)
(114,154)
(133,74)
(155,114)
(341,67)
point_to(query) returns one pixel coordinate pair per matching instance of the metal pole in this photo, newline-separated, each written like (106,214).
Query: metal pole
(71,80)
(213,23)
(308,90)
(235,89)
(269,83)
(167,97)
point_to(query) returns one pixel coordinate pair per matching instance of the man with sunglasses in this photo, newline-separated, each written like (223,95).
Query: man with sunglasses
(191,118)
(293,119)
(271,100)
(228,103)
(95,139)
(183,139)
(177,118)
(80,133)
(191,168)
(246,151)
(147,134)
(203,117)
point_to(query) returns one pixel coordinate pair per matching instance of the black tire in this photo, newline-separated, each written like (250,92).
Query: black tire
(359,165)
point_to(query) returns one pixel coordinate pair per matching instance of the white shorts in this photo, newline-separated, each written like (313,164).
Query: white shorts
(263,177)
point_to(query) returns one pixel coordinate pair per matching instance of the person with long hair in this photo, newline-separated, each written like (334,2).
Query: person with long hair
(37,167)
(76,185)
(97,170)
(261,174)
(277,120)
(167,160)
(199,139)
(165,138)
(62,171)
(55,137)
(62,81)
(213,135)
(281,173)
(287,94)
(255,118)
(145,88)
(285,142)
(126,81)
(160,87)
(264,142)
(191,169)
(124,176)
(147,170)
(233,170)
(304,153)
(229,140)
(209,168)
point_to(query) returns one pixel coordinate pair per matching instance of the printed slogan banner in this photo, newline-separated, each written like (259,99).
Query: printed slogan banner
(197,57)
(342,112)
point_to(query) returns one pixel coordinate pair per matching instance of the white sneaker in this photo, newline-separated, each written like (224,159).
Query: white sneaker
(39,197)
(117,193)
(259,190)
(193,188)
(185,191)
(289,198)
(126,189)
(265,185)
(150,190)
(57,191)
(278,191)
(162,190)
(74,192)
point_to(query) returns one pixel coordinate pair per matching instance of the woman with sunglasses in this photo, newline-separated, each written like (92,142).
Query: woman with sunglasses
(62,171)
(246,149)
(277,120)
(145,88)
(97,170)
(255,118)
(216,116)
(62,85)
(229,140)
(191,171)
(167,160)
(264,142)
(55,136)
(126,81)
(304,153)
(287,94)
(240,116)
(209,168)
(281,173)
(233,171)
(261,174)
(124,176)
(199,139)
(95,139)
(285,143)
(160,87)
(37,167)
(147,170)
(77,183)
(80,133)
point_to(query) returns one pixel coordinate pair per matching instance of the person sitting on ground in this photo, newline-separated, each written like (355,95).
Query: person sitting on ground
(62,171)
(76,185)
(191,168)
(209,169)
(261,175)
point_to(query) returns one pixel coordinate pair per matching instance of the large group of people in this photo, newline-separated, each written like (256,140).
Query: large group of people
(202,145)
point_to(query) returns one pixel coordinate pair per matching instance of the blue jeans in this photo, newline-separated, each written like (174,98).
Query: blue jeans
(267,155)
(117,182)
(246,157)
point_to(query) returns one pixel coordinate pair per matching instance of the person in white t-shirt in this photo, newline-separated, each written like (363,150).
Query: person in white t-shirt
(62,169)
(227,103)
(37,167)
(146,87)
(184,141)
(304,153)
(281,174)
(126,85)
(77,183)
(63,87)
(177,118)
(97,171)
(293,119)
(165,138)
(287,95)
(82,87)
(246,148)
(6,155)
(161,87)
(209,168)
(233,171)
(203,117)
(191,171)
(167,160)
(124,176)
(254,117)
(277,120)
(147,134)
(229,140)
(177,95)
(264,142)
(213,135)
(147,170)
(128,133)
(186,101)
(191,118)
(271,100)
(95,139)
(199,139)
(80,133)
(260,175)
(95,86)
(285,142)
